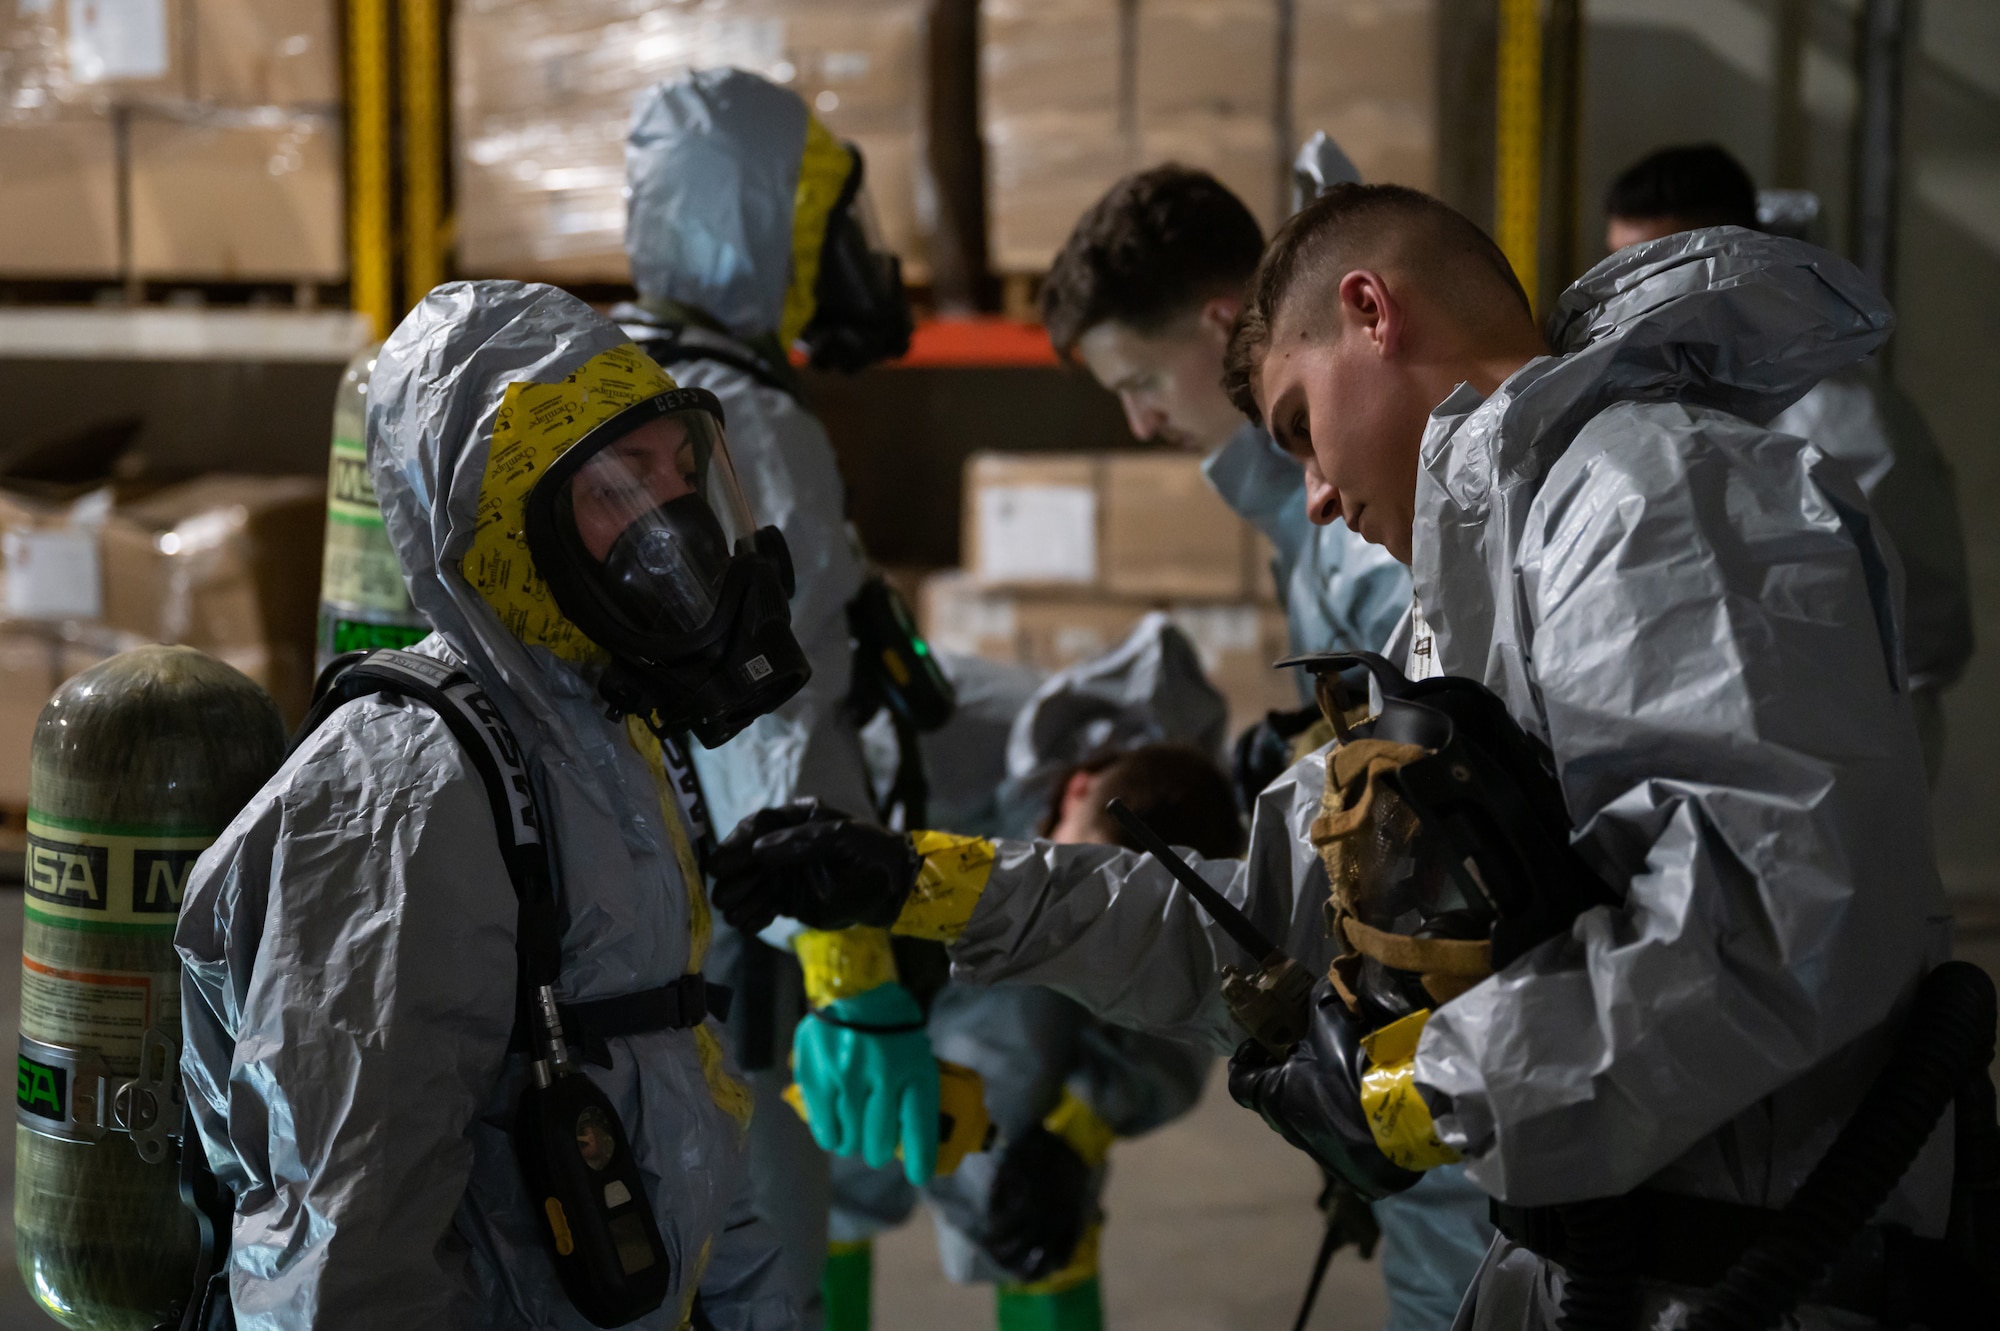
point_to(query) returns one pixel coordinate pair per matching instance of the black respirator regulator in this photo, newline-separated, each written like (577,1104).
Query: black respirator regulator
(860,315)
(1487,853)
(689,602)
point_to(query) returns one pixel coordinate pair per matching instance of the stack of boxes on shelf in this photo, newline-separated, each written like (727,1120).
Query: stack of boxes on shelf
(171,140)
(1077,93)
(1066,552)
(225,563)
(543,93)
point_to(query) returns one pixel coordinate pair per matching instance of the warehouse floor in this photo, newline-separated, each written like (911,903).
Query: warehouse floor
(1211,1222)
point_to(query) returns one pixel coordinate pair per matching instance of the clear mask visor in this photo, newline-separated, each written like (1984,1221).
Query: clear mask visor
(655,514)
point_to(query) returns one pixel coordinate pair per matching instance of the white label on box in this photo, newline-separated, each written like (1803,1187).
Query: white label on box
(117,39)
(1037,533)
(53,575)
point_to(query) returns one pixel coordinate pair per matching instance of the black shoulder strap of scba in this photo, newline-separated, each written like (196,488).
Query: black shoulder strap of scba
(483,734)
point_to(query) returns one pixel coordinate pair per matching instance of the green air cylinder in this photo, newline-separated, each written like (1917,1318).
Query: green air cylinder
(137,765)
(363,603)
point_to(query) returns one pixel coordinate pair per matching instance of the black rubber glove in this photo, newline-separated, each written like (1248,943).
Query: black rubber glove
(1313,1097)
(1036,1213)
(815,865)
(1264,751)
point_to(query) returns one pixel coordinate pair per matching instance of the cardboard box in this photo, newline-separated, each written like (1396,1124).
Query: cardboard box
(1364,50)
(1241,151)
(35,661)
(1165,532)
(228,564)
(543,93)
(1212,57)
(59,198)
(266,52)
(958,615)
(238,196)
(1038,57)
(1042,171)
(1365,71)
(1237,644)
(89,54)
(1237,641)
(1031,519)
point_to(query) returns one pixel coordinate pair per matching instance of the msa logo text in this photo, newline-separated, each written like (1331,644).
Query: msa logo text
(66,875)
(158,879)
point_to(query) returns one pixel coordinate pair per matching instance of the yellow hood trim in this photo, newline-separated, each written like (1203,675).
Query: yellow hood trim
(537,424)
(824,167)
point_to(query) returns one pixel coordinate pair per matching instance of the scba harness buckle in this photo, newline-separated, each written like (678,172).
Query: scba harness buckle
(72,1095)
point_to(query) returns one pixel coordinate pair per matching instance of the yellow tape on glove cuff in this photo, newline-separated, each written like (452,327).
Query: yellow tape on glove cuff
(953,874)
(1397,1115)
(1079,1125)
(841,963)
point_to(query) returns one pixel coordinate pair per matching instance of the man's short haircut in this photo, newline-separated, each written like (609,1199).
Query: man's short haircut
(1366,226)
(1151,250)
(1177,789)
(1696,184)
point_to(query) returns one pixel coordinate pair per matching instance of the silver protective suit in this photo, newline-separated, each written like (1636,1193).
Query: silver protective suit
(1703,621)
(1339,592)
(349,942)
(1860,417)
(711,169)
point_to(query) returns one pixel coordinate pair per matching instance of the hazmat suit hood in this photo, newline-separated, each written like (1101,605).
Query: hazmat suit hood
(440,381)
(1723,318)
(730,182)
(1149,689)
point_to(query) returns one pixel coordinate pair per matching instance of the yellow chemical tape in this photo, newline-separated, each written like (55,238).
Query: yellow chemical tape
(1081,1126)
(536,424)
(953,874)
(1398,1118)
(823,170)
(107,878)
(841,963)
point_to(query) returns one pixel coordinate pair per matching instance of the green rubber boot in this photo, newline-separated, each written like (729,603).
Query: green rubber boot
(847,1286)
(1078,1308)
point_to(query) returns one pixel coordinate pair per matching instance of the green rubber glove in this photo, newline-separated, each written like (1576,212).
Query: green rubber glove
(867,1089)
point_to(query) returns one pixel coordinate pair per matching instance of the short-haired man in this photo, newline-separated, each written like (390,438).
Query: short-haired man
(1689,609)
(1856,414)
(1144,293)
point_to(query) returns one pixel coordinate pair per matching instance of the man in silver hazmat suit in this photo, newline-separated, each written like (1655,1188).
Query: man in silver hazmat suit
(748,230)
(1857,415)
(1144,293)
(1695,615)
(569,526)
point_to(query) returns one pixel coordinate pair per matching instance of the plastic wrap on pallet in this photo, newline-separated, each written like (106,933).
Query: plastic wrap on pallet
(233,169)
(77,55)
(1207,57)
(543,91)
(1039,57)
(1055,126)
(1242,151)
(59,197)
(1365,71)
(237,194)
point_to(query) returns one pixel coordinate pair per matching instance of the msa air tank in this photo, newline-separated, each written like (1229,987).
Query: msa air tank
(137,765)
(363,603)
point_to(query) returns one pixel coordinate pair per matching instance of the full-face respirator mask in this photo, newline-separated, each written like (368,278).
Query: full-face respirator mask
(646,543)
